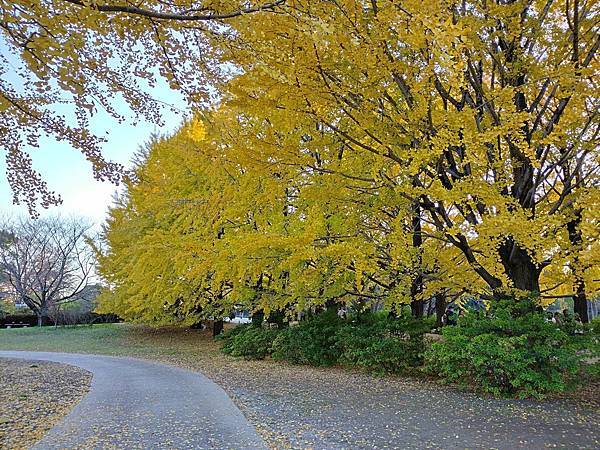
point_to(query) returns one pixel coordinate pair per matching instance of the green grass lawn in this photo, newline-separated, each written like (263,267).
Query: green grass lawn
(114,339)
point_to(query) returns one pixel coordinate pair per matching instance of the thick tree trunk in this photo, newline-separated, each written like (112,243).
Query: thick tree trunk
(257,318)
(520,267)
(416,288)
(440,309)
(580,302)
(417,308)
(217,327)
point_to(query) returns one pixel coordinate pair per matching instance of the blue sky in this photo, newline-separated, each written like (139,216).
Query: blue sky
(69,174)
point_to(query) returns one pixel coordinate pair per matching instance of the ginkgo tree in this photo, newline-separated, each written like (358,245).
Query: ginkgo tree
(484,114)
(205,228)
(198,233)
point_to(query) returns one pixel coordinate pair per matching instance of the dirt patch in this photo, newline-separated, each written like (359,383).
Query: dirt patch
(34,396)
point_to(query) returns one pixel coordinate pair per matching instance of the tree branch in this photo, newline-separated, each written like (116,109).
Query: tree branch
(176,16)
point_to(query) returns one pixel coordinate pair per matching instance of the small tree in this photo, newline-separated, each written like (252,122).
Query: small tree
(2,309)
(46,261)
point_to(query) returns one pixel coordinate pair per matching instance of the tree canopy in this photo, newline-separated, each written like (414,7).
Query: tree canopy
(360,152)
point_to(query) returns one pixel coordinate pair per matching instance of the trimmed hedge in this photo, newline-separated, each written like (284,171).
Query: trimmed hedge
(313,341)
(595,325)
(249,342)
(383,345)
(513,352)
(64,319)
(29,319)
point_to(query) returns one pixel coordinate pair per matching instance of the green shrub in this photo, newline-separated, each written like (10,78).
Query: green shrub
(504,355)
(228,336)
(591,372)
(374,353)
(369,341)
(380,344)
(569,325)
(595,325)
(249,342)
(312,341)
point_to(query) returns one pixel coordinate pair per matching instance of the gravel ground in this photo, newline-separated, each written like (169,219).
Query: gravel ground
(303,407)
(35,395)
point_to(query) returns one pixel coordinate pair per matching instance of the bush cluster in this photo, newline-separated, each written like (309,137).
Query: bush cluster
(523,356)
(66,318)
(29,319)
(510,352)
(380,344)
(368,341)
(595,326)
(312,341)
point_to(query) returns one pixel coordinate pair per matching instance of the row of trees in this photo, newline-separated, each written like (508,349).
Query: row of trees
(366,151)
(343,150)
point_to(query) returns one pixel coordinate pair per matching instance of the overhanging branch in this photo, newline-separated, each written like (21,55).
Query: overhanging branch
(127,9)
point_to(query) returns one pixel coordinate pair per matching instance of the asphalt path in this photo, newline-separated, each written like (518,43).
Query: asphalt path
(136,404)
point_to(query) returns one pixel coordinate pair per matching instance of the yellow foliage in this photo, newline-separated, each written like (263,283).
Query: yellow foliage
(367,153)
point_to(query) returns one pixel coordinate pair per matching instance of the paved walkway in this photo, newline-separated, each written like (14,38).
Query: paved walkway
(137,404)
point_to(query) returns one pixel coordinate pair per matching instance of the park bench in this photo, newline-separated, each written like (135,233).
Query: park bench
(17,325)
